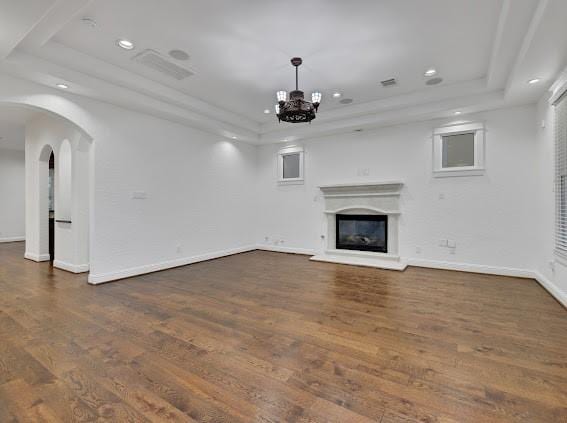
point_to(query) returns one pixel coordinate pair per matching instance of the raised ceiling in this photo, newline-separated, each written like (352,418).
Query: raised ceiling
(484,50)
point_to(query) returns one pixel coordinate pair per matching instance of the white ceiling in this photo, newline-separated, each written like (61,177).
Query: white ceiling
(240,50)
(485,51)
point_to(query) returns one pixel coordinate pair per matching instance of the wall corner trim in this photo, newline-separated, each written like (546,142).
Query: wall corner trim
(95,279)
(550,287)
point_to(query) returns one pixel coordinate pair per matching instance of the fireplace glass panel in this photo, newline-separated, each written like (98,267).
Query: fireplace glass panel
(362,232)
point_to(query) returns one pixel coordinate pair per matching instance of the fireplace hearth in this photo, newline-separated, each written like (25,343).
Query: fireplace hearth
(362,232)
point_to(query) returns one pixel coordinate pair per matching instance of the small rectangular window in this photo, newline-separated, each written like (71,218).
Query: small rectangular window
(290,165)
(458,150)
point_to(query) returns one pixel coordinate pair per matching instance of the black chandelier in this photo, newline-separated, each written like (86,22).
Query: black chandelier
(296,109)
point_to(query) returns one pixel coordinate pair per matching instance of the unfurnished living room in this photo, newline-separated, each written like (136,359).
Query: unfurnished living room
(283,211)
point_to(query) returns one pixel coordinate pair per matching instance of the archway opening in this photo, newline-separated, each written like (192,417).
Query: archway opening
(56,184)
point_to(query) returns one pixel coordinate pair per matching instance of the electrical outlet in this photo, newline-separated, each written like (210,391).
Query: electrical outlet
(418,250)
(179,249)
(441,196)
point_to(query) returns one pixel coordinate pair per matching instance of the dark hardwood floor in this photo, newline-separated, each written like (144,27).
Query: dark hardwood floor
(268,337)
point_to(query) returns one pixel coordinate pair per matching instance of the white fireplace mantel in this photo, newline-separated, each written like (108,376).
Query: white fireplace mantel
(372,198)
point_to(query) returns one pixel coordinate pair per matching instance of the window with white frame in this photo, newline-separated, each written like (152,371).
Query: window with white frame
(290,165)
(458,150)
(561,176)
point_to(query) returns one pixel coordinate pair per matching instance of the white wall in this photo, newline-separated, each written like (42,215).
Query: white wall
(199,187)
(490,217)
(12,197)
(552,272)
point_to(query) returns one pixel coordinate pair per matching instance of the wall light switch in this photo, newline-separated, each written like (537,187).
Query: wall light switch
(139,195)
(451,243)
(443,242)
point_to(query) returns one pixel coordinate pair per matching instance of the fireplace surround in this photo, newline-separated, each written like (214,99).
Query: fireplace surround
(370,202)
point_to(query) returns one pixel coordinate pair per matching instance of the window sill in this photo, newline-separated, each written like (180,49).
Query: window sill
(445,173)
(291,182)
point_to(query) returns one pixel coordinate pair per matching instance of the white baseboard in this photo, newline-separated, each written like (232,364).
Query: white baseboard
(73,268)
(550,287)
(472,268)
(95,279)
(37,257)
(13,239)
(280,249)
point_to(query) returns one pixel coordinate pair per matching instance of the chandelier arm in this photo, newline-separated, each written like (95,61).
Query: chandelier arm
(297,78)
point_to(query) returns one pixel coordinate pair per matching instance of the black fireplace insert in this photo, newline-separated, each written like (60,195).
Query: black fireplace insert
(362,232)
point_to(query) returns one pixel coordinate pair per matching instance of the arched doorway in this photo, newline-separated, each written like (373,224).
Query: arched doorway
(63,121)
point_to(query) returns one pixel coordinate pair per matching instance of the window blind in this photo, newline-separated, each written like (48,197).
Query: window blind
(561,175)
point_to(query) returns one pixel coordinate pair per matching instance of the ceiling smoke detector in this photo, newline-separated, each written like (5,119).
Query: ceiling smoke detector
(434,81)
(157,62)
(389,82)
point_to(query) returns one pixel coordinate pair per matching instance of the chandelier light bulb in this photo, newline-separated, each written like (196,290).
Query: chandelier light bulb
(277,107)
(281,95)
(316,97)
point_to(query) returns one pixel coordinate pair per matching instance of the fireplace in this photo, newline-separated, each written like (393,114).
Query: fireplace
(362,232)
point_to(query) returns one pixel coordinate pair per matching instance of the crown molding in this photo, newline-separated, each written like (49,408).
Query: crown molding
(40,71)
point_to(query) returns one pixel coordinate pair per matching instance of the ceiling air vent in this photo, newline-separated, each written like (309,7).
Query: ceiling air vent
(389,82)
(157,62)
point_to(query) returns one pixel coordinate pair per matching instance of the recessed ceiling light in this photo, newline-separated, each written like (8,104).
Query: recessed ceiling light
(533,81)
(125,44)
(62,86)
(337,95)
(458,112)
(266,111)
(430,72)
(234,137)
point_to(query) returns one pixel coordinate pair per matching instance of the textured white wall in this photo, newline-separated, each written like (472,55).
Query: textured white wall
(490,217)
(199,191)
(12,198)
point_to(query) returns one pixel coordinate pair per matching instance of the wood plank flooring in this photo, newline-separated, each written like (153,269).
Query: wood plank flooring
(268,337)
